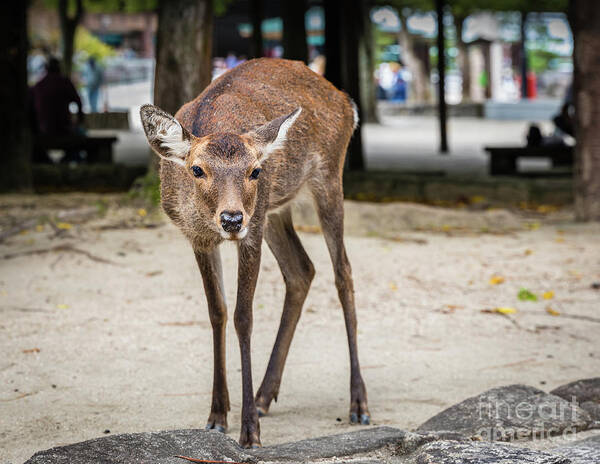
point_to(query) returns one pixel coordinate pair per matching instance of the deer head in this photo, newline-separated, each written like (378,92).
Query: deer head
(225,167)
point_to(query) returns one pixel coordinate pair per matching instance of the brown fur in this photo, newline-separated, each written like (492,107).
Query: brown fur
(228,126)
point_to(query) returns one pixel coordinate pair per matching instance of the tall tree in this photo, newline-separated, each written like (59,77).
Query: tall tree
(68,26)
(584,17)
(15,161)
(256,17)
(294,30)
(183,51)
(333,43)
(183,54)
(344,32)
(368,92)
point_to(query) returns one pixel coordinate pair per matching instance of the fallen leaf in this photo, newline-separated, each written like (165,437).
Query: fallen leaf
(153,273)
(393,287)
(31,350)
(142,212)
(533,225)
(64,225)
(528,252)
(552,312)
(548,295)
(559,240)
(526,295)
(39,228)
(496,280)
(505,310)
(545,209)
(62,306)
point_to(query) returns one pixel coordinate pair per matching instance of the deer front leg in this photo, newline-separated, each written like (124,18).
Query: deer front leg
(248,266)
(212,277)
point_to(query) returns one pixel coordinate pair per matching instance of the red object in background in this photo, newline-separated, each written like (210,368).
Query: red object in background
(531,85)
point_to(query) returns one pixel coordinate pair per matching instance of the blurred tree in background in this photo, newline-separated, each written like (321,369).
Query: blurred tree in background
(15,169)
(584,17)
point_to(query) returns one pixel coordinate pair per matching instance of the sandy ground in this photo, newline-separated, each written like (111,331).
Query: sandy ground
(104,324)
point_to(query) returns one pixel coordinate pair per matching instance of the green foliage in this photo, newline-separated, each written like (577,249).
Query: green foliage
(220,6)
(108,6)
(91,45)
(526,295)
(147,189)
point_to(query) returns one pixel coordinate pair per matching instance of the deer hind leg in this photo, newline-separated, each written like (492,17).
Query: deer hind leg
(329,201)
(210,268)
(298,272)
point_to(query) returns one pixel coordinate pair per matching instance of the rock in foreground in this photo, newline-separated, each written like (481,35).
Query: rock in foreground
(138,448)
(510,413)
(453,452)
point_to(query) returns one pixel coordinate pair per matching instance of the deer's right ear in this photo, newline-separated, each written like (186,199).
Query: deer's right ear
(166,136)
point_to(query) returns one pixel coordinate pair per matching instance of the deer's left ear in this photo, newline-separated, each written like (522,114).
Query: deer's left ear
(273,135)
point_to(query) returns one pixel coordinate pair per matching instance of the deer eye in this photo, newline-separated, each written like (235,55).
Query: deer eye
(255,173)
(198,172)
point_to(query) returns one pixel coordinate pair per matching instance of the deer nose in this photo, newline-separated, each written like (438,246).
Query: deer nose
(231,221)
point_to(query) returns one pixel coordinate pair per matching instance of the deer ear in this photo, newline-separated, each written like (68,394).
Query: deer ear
(165,135)
(273,135)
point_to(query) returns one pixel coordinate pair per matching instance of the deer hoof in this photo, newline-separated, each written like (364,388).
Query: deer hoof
(217,428)
(365,419)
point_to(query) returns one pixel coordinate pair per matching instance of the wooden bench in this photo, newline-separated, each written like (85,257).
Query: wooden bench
(503,160)
(98,149)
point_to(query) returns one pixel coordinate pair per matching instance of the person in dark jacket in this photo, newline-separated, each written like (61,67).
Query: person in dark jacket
(50,100)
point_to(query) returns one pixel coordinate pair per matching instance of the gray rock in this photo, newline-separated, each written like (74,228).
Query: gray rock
(583,390)
(585,393)
(471,452)
(510,413)
(344,444)
(593,409)
(155,448)
(586,451)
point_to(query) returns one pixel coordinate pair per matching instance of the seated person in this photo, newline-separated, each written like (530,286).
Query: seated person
(50,100)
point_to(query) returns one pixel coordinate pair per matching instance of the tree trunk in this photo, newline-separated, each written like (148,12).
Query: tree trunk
(343,35)
(183,53)
(584,17)
(463,59)
(352,36)
(15,168)
(420,80)
(256,16)
(441,65)
(68,27)
(367,66)
(333,44)
(294,30)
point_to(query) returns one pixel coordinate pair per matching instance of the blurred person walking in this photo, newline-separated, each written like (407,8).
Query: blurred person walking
(93,77)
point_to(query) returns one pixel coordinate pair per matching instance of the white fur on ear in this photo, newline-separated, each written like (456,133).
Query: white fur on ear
(279,141)
(171,138)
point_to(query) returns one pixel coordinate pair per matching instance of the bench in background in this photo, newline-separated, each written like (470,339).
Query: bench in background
(98,149)
(503,160)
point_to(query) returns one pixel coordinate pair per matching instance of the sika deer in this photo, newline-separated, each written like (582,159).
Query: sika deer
(231,162)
